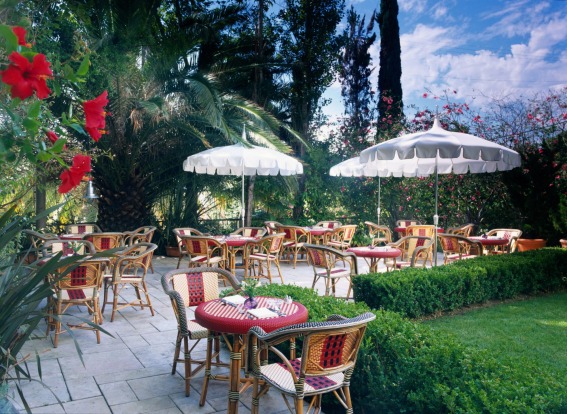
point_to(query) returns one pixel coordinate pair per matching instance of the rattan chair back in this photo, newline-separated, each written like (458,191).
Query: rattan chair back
(68,247)
(378,233)
(105,240)
(250,231)
(82,228)
(329,224)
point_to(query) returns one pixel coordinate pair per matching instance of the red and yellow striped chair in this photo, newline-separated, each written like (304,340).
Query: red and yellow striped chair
(324,261)
(327,361)
(206,251)
(76,285)
(457,247)
(341,237)
(416,251)
(188,288)
(130,269)
(260,255)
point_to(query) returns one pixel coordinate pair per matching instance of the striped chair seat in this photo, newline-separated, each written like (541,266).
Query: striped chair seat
(78,295)
(336,272)
(278,375)
(454,257)
(196,331)
(262,256)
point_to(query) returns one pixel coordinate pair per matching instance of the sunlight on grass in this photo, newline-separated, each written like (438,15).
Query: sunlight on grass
(532,331)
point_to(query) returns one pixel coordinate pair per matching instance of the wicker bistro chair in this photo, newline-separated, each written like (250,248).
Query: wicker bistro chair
(82,228)
(206,251)
(295,238)
(324,260)
(179,233)
(402,224)
(465,230)
(326,364)
(329,224)
(272,226)
(457,247)
(511,234)
(250,231)
(261,254)
(416,251)
(141,234)
(188,288)
(105,240)
(130,269)
(37,240)
(426,230)
(67,247)
(378,233)
(76,284)
(341,237)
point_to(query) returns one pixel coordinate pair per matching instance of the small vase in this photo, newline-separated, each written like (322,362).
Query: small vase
(250,303)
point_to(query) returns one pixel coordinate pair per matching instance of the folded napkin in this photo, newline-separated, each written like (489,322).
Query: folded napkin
(233,300)
(262,313)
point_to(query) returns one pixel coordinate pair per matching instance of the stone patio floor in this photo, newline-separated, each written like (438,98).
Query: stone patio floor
(131,371)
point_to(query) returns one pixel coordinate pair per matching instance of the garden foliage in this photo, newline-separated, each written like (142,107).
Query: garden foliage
(425,291)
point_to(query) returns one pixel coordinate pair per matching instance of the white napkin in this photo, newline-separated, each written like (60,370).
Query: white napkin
(262,313)
(233,300)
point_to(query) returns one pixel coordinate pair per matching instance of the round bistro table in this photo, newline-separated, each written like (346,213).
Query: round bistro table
(317,233)
(234,244)
(490,242)
(220,317)
(374,254)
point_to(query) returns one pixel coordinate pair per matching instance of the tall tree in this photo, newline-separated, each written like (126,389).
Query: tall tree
(310,47)
(356,88)
(390,104)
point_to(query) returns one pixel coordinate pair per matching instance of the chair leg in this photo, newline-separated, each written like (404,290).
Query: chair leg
(207,369)
(176,353)
(105,299)
(114,301)
(148,300)
(277,262)
(57,324)
(187,361)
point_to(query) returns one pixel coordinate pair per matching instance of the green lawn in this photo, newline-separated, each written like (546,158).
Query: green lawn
(531,331)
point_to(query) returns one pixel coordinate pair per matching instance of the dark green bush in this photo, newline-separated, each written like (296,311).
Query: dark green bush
(419,292)
(404,366)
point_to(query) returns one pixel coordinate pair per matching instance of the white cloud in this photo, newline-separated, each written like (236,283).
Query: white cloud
(413,6)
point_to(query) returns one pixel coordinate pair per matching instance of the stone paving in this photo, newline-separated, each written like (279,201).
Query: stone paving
(130,371)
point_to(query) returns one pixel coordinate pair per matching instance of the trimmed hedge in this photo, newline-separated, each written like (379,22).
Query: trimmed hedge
(404,366)
(420,292)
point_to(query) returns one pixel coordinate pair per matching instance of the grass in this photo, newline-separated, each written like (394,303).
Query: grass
(531,332)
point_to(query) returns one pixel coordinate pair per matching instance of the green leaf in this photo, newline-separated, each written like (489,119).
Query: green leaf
(58,146)
(84,67)
(68,73)
(32,125)
(11,39)
(44,156)
(78,128)
(33,111)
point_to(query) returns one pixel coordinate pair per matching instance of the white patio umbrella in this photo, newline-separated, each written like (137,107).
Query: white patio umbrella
(240,159)
(438,151)
(353,167)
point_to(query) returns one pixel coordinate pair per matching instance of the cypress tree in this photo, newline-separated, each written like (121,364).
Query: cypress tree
(390,105)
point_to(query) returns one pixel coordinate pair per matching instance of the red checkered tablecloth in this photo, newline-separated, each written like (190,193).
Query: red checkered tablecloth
(217,316)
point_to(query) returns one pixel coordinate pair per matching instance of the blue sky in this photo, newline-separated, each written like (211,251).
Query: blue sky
(483,49)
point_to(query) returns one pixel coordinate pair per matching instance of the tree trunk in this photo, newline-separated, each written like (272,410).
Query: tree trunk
(250,201)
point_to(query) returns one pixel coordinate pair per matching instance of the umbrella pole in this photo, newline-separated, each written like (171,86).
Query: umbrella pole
(378,210)
(243,209)
(436,216)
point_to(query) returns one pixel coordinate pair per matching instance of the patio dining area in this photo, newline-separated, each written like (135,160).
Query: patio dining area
(131,371)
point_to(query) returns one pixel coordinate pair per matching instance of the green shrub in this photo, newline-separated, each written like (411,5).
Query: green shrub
(418,292)
(404,366)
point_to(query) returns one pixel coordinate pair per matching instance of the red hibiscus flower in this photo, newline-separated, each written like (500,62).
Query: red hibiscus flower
(95,114)
(20,33)
(72,177)
(25,77)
